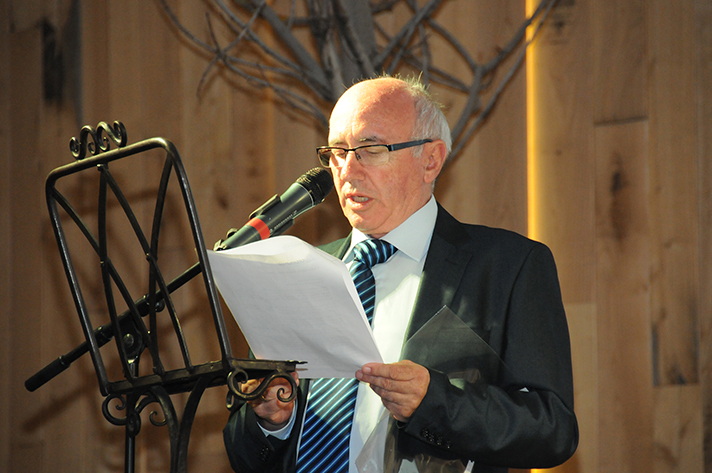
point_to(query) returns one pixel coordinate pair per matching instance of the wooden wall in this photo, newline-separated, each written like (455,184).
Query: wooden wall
(618,129)
(621,105)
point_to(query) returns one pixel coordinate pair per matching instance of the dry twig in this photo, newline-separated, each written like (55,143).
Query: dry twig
(346,43)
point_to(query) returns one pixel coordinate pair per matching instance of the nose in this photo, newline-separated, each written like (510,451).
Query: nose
(352,166)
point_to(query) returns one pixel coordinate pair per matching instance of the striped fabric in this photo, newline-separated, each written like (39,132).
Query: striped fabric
(330,408)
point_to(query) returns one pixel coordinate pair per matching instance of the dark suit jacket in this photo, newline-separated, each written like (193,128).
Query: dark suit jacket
(505,288)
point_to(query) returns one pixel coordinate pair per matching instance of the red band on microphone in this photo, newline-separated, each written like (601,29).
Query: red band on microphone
(260,226)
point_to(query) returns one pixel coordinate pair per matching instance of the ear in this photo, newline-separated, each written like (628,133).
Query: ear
(434,154)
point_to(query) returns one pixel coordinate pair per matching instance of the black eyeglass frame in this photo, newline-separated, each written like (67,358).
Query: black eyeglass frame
(393,147)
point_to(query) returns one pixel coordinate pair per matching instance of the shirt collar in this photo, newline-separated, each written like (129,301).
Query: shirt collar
(411,237)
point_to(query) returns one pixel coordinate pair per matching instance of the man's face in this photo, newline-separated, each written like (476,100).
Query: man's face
(376,199)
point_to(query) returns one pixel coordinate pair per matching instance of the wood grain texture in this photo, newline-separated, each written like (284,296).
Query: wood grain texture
(5,235)
(678,429)
(673,178)
(623,247)
(561,134)
(25,186)
(621,134)
(487,183)
(619,57)
(703,22)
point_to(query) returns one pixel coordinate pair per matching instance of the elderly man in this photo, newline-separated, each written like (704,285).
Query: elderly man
(387,144)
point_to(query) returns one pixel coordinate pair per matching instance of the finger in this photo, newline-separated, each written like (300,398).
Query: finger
(250,385)
(396,377)
(401,386)
(399,371)
(377,374)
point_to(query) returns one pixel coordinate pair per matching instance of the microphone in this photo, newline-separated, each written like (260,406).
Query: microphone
(278,214)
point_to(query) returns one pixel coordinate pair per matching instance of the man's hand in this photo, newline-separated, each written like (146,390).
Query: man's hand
(272,413)
(401,386)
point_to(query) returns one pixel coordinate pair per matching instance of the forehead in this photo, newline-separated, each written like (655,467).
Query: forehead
(371,111)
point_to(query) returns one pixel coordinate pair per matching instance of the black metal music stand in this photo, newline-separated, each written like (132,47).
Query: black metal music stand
(129,330)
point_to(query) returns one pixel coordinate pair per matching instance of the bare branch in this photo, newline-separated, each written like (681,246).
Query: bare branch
(405,32)
(425,55)
(221,53)
(311,67)
(292,99)
(353,40)
(454,42)
(520,34)
(471,106)
(348,42)
(462,140)
(385,5)
(243,27)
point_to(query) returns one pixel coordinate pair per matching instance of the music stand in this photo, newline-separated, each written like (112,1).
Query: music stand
(129,330)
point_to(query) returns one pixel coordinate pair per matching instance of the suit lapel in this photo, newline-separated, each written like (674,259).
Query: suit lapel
(445,264)
(444,267)
(337,248)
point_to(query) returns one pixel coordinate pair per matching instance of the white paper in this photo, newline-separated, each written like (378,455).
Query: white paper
(295,302)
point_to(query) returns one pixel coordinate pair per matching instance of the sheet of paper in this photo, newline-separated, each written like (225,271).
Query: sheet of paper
(295,302)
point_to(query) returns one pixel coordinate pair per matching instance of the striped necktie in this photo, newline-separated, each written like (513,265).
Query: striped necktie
(330,408)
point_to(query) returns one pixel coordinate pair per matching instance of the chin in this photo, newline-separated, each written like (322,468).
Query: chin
(359,225)
(362,224)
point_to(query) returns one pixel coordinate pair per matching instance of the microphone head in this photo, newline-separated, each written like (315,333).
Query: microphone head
(318,183)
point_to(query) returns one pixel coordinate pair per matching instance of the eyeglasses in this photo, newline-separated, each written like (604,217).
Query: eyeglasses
(368,155)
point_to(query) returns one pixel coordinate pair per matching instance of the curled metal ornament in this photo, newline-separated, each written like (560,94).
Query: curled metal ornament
(99,143)
(132,419)
(105,409)
(153,415)
(237,377)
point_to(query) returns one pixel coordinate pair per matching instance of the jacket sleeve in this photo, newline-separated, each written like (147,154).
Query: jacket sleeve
(526,419)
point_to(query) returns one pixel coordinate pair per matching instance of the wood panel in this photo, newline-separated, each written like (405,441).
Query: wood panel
(703,16)
(5,236)
(95,71)
(621,120)
(623,237)
(678,429)
(27,445)
(673,198)
(584,355)
(674,208)
(94,105)
(486,184)
(561,172)
(619,56)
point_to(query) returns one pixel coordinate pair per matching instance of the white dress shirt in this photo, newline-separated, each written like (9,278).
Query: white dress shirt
(397,283)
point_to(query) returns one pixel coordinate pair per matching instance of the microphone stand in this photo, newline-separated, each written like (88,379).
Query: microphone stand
(104,334)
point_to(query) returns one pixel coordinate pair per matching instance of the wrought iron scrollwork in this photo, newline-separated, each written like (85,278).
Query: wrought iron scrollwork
(99,143)
(127,399)
(238,376)
(134,406)
(106,409)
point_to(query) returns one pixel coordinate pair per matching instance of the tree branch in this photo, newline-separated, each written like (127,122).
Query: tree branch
(310,66)
(349,43)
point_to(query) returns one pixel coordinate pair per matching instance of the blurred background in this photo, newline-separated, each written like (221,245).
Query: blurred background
(600,146)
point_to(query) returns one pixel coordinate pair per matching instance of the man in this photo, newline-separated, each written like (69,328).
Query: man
(502,287)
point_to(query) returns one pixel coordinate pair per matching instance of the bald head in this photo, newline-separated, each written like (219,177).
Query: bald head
(381,105)
(376,199)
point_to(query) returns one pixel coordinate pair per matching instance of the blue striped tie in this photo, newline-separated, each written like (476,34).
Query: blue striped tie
(330,408)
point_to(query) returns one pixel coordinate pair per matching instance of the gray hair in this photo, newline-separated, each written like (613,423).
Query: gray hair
(430,121)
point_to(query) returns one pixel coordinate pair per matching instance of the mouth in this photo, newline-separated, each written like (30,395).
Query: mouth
(357,198)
